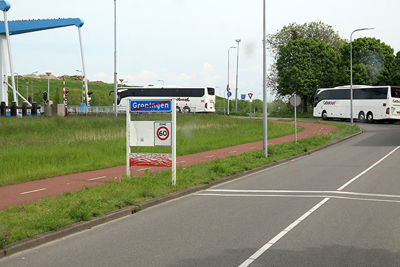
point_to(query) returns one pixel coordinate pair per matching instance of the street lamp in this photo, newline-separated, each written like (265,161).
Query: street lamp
(33,73)
(265,124)
(237,73)
(48,85)
(115,58)
(227,86)
(351,71)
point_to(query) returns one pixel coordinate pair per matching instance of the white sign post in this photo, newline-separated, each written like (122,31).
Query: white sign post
(295,101)
(151,133)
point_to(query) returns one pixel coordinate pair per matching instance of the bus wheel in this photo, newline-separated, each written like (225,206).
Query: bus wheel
(370,117)
(186,110)
(361,117)
(178,109)
(324,115)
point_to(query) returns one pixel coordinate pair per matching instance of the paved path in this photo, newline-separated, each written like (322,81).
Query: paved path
(18,194)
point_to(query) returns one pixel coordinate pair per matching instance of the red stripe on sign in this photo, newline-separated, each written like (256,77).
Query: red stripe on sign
(150,159)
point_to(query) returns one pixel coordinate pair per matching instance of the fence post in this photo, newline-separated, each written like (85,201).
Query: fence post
(24,109)
(14,109)
(34,109)
(3,109)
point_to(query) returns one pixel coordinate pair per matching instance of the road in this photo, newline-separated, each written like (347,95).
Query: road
(336,207)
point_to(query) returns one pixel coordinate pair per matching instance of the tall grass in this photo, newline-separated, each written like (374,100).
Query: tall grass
(35,148)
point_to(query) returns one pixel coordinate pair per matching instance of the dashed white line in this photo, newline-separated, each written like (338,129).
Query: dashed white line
(33,191)
(270,243)
(97,178)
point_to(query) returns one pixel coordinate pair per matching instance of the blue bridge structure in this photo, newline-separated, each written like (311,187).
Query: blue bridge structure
(8,28)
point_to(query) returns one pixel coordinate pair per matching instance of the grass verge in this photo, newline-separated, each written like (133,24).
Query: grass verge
(53,213)
(35,148)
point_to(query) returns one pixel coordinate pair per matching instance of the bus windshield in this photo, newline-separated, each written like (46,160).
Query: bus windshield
(395,92)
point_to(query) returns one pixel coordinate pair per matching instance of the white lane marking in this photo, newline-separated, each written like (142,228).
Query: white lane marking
(305,215)
(97,178)
(301,191)
(33,191)
(181,161)
(368,169)
(211,156)
(281,234)
(299,196)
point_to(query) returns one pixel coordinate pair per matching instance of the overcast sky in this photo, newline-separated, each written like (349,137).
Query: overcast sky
(183,42)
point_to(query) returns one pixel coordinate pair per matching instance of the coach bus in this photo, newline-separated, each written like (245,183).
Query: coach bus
(188,99)
(369,103)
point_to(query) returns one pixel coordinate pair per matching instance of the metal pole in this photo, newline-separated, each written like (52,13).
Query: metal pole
(115,58)
(237,72)
(10,58)
(83,68)
(295,117)
(48,87)
(173,141)
(128,146)
(351,71)
(265,117)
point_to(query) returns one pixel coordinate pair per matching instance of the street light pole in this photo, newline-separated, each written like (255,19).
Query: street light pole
(237,72)
(265,122)
(227,87)
(115,58)
(351,71)
(48,85)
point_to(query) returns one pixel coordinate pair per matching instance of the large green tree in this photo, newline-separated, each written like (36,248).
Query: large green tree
(305,65)
(373,63)
(293,31)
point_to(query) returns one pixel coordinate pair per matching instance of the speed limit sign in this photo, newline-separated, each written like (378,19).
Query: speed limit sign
(162,133)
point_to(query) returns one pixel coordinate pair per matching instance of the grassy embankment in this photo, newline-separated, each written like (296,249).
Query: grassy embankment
(45,147)
(53,213)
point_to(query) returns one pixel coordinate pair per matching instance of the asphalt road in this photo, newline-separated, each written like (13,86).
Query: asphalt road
(337,207)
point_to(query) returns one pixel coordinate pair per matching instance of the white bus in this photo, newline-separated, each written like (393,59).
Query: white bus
(188,99)
(369,103)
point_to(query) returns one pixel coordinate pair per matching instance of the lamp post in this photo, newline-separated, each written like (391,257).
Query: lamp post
(48,85)
(227,86)
(237,72)
(351,71)
(265,124)
(115,58)
(33,73)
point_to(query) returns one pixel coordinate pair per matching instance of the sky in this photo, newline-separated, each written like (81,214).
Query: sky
(182,42)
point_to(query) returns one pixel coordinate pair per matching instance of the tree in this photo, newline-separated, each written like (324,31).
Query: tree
(293,31)
(305,65)
(373,63)
(395,73)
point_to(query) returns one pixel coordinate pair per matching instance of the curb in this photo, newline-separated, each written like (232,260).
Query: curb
(80,226)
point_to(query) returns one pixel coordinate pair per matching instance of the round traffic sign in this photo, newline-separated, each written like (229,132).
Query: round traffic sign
(295,101)
(162,133)
(229,94)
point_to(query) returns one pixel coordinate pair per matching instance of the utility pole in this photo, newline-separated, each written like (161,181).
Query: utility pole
(237,73)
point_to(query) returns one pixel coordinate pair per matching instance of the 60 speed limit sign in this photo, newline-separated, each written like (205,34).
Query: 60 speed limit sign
(162,133)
